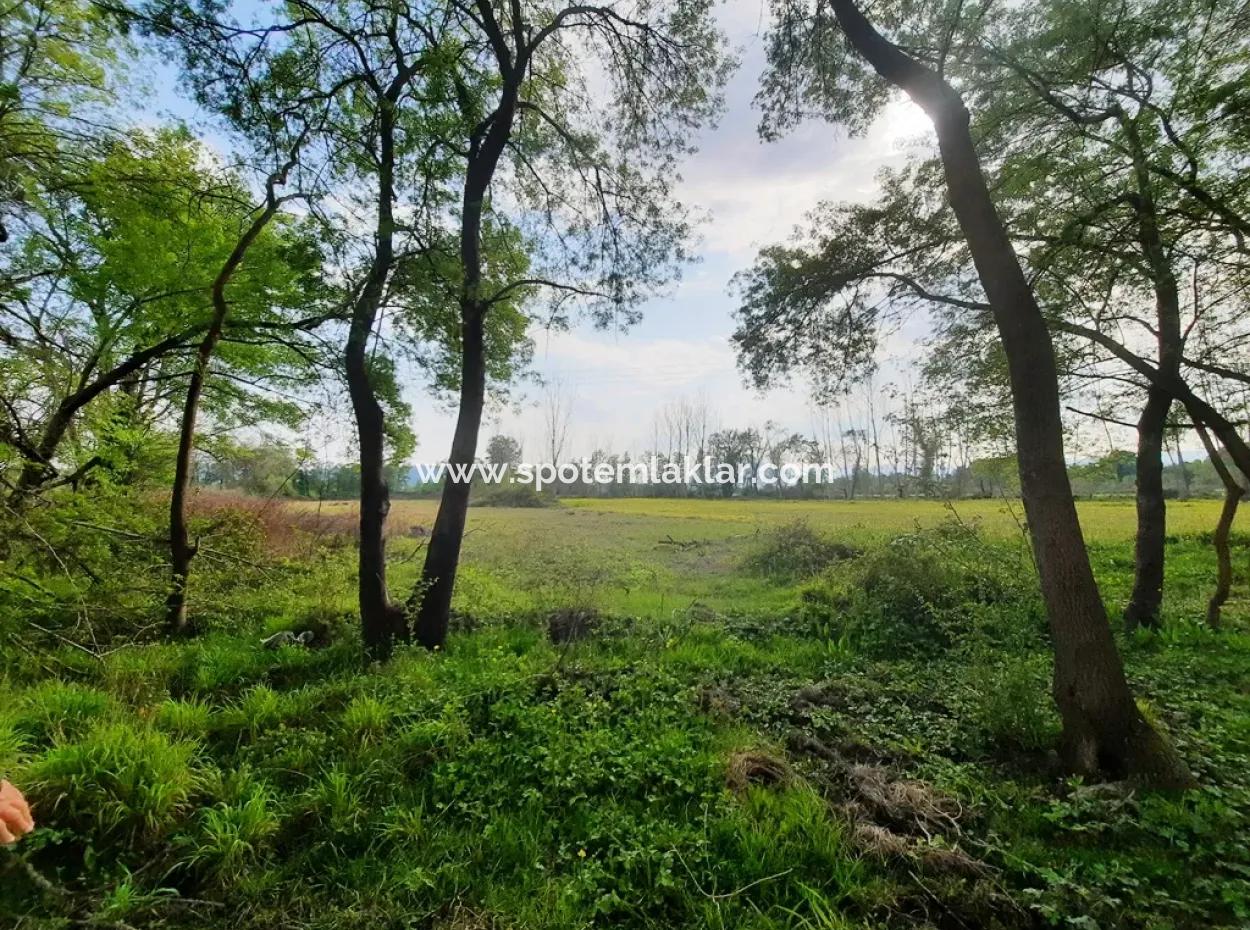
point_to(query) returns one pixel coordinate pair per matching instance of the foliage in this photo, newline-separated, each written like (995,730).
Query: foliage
(796,551)
(553,785)
(514,495)
(929,589)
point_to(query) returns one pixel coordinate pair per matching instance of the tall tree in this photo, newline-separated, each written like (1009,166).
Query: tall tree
(386,143)
(828,55)
(588,176)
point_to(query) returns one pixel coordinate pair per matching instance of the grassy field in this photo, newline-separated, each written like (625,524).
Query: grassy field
(650,714)
(651,556)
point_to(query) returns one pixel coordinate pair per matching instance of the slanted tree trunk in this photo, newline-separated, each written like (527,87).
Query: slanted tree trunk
(37,466)
(443,555)
(431,599)
(1146,600)
(181,549)
(1233,492)
(381,621)
(1103,731)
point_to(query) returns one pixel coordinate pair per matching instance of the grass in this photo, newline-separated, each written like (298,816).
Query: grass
(713,755)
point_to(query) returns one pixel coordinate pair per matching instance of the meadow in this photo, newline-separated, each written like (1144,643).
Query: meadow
(650,713)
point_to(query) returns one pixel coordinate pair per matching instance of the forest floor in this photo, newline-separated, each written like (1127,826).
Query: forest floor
(650,713)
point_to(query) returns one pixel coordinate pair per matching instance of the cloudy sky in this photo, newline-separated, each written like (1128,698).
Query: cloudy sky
(753,194)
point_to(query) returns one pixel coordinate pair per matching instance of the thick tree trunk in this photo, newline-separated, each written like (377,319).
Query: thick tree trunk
(1147,598)
(443,554)
(1103,731)
(1233,492)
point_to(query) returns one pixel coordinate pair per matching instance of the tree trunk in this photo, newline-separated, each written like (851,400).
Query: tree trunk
(1186,479)
(381,622)
(443,555)
(431,599)
(1147,598)
(181,550)
(1103,731)
(1233,492)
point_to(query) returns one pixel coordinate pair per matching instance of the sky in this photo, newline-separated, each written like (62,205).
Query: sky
(752,194)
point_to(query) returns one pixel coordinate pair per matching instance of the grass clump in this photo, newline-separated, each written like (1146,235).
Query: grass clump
(794,551)
(57,711)
(121,780)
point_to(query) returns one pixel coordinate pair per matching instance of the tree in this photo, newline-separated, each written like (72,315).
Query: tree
(117,263)
(57,58)
(557,415)
(503,450)
(824,55)
(1083,112)
(380,75)
(593,184)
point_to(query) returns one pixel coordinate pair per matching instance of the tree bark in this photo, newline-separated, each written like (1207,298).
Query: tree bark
(1104,733)
(381,622)
(1146,599)
(181,549)
(443,555)
(1233,492)
(431,599)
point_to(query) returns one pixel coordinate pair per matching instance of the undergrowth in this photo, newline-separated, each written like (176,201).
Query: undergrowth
(513,781)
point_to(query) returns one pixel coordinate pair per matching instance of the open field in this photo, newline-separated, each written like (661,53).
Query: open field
(648,556)
(649,714)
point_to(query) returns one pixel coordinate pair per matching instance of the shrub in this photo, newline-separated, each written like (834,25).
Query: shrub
(926,590)
(515,495)
(1013,706)
(796,551)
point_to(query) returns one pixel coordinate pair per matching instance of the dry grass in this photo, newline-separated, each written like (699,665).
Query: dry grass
(289,528)
(753,767)
(909,805)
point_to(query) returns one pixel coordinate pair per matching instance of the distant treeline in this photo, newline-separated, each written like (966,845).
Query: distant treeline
(275,469)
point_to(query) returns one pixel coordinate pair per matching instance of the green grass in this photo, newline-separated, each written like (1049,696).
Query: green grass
(510,782)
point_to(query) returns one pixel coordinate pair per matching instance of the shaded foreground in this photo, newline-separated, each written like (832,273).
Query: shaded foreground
(790,728)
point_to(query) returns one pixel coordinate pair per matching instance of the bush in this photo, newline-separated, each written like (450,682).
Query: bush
(796,551)
(1014,708)
(515,495)
(927,590)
